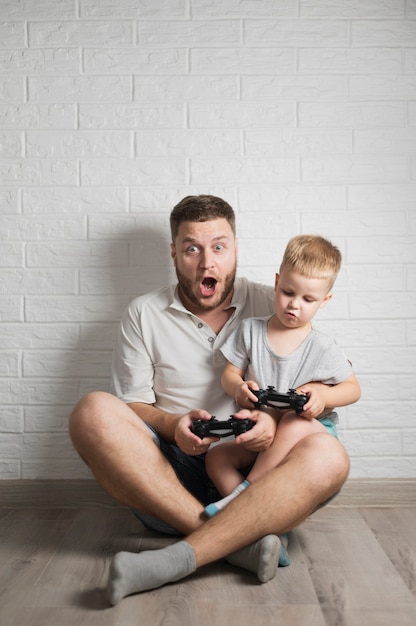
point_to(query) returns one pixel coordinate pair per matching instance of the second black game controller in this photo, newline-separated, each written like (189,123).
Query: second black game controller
(232,426)
(272,398)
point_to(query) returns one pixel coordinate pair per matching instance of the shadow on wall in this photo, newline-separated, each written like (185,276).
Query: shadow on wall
(133,263)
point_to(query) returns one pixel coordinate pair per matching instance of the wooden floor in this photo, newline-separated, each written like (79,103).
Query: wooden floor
(352,566)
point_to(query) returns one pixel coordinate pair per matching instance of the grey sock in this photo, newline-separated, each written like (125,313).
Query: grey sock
(132,572)
(261,557)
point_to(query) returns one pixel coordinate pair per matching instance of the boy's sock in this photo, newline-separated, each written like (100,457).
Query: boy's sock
(261,557)
(132,572)
(213,508)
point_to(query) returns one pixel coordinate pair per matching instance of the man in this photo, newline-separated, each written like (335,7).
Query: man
(139,444)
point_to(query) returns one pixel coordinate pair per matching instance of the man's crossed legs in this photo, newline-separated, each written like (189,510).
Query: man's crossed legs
(112,439)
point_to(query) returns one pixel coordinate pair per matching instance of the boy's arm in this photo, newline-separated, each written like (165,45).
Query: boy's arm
(233,383)
(323,398)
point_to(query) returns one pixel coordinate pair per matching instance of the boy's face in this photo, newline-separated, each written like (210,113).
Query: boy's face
(298,298)
(205,258)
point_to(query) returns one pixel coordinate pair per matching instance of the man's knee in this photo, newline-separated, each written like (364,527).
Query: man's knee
(89,416)
(328,464)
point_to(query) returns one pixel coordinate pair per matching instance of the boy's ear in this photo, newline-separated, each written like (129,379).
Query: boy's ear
(326,300)
(276,280)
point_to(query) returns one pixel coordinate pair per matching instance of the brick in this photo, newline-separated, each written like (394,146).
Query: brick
(41,9)
(132,9)
(98,337)
(10,469)
(11,420)
(126,227)
(132,171)
(44,227)
(66,364)
(292,142)
(381,195)
(12,35)
(12,89)
(11,145)
(11,308)
(356,223)
(354,169)
(47,419)
(297,32)
(33,392)
(351,114)
(25,281)
(161,199)
(187,143)
(205,171)
(399,307)
(381,360)
(79,88)
(73,144)
(382,87)
(9,201)
(299,87)
(135,61)
(242,60)
(31,116)
(389,250)
(80,33)
(9,364)
(390,33)
(130,281)
(295,197)
(184,88)
(385,141)
(11,254)
(38,336)
(195,32)
(350,60)
(353,8)
(131,116)
(46,62)
(76,254)
(241,115)
(250,8)
(37,172)
(363,333)
(61,200)
(60,469)
(65,309)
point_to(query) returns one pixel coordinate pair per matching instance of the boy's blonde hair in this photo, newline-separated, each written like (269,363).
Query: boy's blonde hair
(313,256)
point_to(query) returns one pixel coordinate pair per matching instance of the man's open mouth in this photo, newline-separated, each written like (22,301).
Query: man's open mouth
(208,286)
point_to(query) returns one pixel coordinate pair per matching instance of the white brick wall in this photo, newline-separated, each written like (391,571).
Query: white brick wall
(301,113)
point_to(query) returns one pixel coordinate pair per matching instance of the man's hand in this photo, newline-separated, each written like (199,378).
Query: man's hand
(260,437)
(186,440)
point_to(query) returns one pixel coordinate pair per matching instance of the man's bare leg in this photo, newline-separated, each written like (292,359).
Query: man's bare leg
(118,448)
(313,471)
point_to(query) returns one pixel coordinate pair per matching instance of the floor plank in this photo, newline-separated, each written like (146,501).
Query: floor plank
(349,567)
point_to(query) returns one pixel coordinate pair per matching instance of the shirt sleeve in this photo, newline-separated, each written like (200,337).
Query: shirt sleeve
(235,349)
(132,368)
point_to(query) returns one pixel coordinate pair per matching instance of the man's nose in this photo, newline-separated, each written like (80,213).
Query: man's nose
(207,260)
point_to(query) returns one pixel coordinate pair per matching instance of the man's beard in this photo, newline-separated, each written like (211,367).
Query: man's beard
(186,289)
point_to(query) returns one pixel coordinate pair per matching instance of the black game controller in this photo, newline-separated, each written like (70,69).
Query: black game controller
(232,426)
(272,398)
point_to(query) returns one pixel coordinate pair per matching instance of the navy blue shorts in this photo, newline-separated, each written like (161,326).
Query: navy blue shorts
(191,471)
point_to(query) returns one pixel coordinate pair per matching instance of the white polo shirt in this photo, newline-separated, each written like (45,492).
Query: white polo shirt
(165,355)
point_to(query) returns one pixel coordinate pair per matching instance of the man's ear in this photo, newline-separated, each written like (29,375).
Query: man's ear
(326,300)
(173,253)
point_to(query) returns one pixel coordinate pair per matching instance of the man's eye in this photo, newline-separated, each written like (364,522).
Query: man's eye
(219,247)
(192,249)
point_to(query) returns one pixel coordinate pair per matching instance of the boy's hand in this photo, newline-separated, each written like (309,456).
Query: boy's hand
(244,397)
(316,405)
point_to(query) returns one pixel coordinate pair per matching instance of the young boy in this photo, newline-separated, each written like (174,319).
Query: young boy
(286,352)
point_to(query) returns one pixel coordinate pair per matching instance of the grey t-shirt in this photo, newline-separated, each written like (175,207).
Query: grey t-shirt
(317,358)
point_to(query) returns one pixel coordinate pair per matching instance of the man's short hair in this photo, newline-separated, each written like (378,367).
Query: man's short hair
(202,208)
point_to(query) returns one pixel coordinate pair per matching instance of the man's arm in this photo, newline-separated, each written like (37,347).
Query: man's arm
(164,423)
